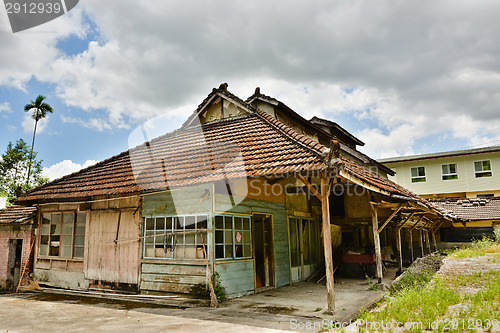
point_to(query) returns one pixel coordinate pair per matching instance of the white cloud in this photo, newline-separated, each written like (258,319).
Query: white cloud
(64,168)
(92,123)
(5,107)
(403,79)
(28,124)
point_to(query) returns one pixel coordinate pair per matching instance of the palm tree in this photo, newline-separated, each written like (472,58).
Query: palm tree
(40,111)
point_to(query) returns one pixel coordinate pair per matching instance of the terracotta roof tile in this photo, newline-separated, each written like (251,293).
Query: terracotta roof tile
(475,209)
(17,214)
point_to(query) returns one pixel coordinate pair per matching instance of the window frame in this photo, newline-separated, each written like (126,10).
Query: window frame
(483,173)
(51,237)
(234,234)
(419,178)
(449,175)
(175,232)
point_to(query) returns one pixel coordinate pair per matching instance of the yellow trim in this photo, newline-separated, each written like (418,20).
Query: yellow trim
(221,261)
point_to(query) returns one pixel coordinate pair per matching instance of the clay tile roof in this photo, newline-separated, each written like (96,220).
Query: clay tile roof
(476,209)
(251,146)
(17,214)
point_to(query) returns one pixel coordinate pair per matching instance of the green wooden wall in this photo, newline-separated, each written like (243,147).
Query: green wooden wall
(237,277)
(184,200)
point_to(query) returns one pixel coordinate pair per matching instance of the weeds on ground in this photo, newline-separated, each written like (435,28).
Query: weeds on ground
(477,248)
(411,280)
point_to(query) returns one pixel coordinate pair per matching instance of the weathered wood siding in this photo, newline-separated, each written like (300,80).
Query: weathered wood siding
(109,261)
(237,277)
(162,276)
(185,200)
(280,228)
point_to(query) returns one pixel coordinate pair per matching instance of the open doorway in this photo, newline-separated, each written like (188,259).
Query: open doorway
(263,251)
(15,257)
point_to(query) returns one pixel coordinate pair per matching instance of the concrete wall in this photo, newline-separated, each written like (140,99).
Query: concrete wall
(466,182)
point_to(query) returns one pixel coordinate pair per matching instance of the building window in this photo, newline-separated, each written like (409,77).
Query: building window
(175,237)
(482,168)
(417,174)
(233,237)
(62,234)
(449,171)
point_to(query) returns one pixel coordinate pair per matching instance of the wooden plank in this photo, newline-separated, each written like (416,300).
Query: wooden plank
(309,186)
(400,251)
(376,241)
(410,235)
(167,287)
(173,269)
(237,277)
(166,278)
(390,218)
(327,242)
(421,242)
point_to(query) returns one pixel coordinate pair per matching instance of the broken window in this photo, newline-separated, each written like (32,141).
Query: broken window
(62,234)
(449,171)
(417,174)
(482,168)
(175,237)
(233,237)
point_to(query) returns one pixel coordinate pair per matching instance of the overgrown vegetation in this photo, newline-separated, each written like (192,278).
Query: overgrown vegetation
(426,301)
(219,290)
(477,248)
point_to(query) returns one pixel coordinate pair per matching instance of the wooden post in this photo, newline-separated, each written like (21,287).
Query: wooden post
(376,241)
(428,241)
(327,243)
(400,251)
(410,232)
(433,233)
(421,242)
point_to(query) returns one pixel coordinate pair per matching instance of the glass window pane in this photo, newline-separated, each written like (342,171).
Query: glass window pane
(46,218)
(246,224)
(150,223)
(67,229)
(189,239)
(56,218)
(229,251)
(228,222)
(202,222)
(168,223)
(67,240)
(68,218)
(80,229)
(453,168)
(219,236)
(486,165)
(78,252)
(189,222)
(219,224)
(228,236)
(247,250)
(149,251)
(44,240)
(45,229)
(80,240)
(81,217)
(219,251)
(178,223)
(414,172)
(44,250)
(478,166)
(160,223)
(55,229)
(66,251)
(238,223)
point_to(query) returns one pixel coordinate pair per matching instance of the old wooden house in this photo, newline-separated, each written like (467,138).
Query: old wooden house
(247,185)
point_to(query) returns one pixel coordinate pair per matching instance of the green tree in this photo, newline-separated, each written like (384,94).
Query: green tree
(40,110)
(13,166)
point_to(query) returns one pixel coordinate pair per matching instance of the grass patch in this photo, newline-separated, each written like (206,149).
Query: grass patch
(410,280)
(477,248)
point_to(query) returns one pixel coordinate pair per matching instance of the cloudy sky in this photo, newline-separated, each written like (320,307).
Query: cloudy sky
(403,76)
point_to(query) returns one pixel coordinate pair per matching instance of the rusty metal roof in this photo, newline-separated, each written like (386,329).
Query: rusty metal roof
(17,214)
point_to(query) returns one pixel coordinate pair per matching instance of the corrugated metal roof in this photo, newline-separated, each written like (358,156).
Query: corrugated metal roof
(441,154)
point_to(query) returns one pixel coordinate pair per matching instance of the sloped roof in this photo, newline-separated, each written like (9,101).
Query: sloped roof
(17,214)
(329,123)
(474,209)
(473,151)
(253,145)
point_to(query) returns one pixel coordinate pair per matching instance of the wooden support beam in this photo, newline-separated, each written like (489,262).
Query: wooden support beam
(410,232)
(428,241)
(390,218)
(310,187)
(421,242)
(434,240)
(327,243)
(406,219)
(416,223)
(376,241)
(400,251)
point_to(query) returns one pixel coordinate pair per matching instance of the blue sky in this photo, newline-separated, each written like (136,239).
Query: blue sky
(402,86)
